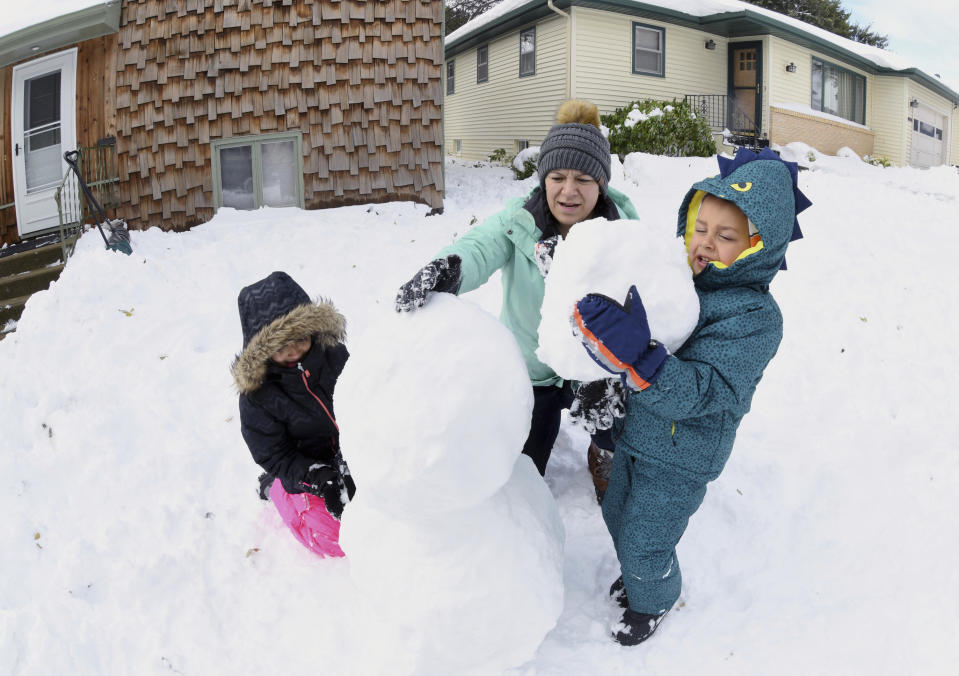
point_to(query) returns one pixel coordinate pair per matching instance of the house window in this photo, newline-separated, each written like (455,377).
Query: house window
(930,130)
(482,64)
(257,171)
(648,49)
(838,91)
(458,146)
(527,52)
(450,77)
(522,144)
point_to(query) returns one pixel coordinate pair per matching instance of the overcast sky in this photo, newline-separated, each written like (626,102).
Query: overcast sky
(923,31)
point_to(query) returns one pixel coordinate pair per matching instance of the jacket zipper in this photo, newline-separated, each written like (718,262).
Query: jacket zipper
(305,374)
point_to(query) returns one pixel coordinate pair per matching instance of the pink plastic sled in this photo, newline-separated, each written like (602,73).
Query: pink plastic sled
(307,517)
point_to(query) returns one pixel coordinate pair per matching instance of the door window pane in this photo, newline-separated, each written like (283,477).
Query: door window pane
(236,177)
(279,174)
(41,142)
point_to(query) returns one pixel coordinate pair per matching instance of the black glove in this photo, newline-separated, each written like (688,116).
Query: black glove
(440,275)
(325,482)
(598,403)
(543,253)
(345,476)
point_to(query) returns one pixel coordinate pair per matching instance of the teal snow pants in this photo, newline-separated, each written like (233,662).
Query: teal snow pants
(646,509)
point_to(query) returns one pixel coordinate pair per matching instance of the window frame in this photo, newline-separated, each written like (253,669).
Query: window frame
(531,29)
(662,49)
(857,106)
(255,141)
(480,79)
(451,77)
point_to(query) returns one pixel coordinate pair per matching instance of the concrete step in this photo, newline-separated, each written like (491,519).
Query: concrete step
(11,309)
(31,259)
(26,283)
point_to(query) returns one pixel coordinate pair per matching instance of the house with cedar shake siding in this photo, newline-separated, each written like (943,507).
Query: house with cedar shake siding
(179,108)
(750,71)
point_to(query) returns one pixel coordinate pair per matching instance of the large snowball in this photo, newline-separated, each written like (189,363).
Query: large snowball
(433,407)
(607,257)
(471,591)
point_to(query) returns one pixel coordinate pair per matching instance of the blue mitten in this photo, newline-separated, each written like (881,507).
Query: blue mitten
(617,337)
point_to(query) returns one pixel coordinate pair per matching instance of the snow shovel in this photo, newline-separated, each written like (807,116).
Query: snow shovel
(119,239)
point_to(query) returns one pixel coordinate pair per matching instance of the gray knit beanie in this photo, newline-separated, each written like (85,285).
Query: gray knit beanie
(575,146)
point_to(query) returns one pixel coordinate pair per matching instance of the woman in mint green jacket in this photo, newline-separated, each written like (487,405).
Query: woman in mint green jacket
(574,171)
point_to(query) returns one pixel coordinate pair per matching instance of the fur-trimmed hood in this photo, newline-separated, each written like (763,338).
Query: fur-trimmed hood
(274,312)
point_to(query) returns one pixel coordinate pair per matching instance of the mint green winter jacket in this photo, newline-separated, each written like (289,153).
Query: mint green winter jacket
(506,241)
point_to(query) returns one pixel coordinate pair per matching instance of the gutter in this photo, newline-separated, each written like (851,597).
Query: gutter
(569,47)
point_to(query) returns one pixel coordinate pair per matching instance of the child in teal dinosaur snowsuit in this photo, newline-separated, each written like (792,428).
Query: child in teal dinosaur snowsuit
(682,410)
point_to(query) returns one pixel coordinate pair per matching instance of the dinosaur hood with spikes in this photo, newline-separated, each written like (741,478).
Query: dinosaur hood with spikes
(765,188)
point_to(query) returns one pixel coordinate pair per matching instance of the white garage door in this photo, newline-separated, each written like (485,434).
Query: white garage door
(927,130)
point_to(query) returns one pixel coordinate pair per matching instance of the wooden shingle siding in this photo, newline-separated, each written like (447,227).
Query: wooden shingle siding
(360,80)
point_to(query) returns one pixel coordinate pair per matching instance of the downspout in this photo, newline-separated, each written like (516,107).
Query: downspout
(569,46)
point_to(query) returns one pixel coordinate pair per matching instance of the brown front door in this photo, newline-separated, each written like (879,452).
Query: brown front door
(745,87)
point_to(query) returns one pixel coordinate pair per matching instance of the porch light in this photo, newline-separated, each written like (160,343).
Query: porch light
(790,67)
(710,44)
(914,103)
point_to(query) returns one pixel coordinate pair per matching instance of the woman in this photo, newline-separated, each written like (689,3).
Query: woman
(574,172)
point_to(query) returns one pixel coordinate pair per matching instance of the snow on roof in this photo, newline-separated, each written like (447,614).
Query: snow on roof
(700,8)
(20,14)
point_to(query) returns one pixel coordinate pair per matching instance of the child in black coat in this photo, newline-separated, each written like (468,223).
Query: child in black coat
(293,352)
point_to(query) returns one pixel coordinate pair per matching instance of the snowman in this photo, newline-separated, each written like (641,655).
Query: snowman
(453,539)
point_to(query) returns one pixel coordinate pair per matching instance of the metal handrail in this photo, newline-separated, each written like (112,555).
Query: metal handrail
(721,113)
(99,163)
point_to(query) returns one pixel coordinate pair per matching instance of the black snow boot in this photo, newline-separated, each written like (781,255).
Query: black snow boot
(617,592)
(634,628)
(266,481)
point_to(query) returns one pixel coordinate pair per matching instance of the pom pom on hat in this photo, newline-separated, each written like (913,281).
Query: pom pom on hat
(575,110)
(576,142)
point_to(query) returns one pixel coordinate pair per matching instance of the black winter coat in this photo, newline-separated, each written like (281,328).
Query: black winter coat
(286,414)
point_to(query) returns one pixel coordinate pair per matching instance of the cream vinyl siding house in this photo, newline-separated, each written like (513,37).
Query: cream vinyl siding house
(747,69)
(603,61)
(787,90)
(931,109)
(506,108)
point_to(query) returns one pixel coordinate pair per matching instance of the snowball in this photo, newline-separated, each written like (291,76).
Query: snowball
(433,406)
(607,257)
(466,591)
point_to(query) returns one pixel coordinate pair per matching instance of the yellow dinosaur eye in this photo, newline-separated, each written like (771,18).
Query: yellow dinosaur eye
(742,187)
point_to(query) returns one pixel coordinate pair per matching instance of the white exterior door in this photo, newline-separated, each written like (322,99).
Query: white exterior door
(927,143)
(43,119)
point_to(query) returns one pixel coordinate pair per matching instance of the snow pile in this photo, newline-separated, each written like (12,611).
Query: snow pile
(453,539)
(133,541)
(607,257)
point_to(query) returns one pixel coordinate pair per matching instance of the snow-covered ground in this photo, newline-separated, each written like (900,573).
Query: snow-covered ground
(133,542)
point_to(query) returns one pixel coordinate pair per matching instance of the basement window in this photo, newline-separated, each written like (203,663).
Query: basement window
(250,172)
